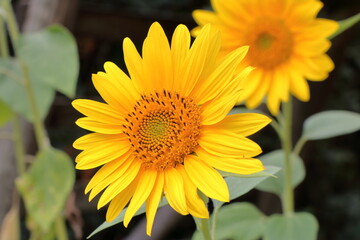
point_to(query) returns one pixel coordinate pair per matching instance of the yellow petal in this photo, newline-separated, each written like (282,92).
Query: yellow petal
(216,110)
(299,86)
(220,77)
(274,96)
(228,144)
(100,111)
(143,189)
(100,154)
(119,202)
(152,203)
(157,62)
(251,84)
(122,82)
(232,11)
(96,126)
(257,96)
(320,28)
(174,190)
(232,165)
(311,47)
(134,64)
(196,59)
(208,180)
(97,186)
(110,172)
(114,96)
(180,46)
(203,17)
(196,205)
(120,184)
(244,124)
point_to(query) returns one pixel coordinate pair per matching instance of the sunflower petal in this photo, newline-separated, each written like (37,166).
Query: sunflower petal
(157,62)
(97,155)
(100,111)
(244,124)
(208,180)
(152,203)
(232,165)
(228,144)
(143,189)
(196,205)
(99,127)
(174,190)
(120,184)
(119,202)
(96,184)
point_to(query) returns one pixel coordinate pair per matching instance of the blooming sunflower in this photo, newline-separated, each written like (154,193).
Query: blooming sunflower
(287,45)
(164,129)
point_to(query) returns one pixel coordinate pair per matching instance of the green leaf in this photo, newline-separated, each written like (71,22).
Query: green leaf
(238,186)
(346,24)
(276,158)
(45,187)
(329,124)
(13,92)
(120,218)
(299,226)
(5,113)
(237,221)
(52,58)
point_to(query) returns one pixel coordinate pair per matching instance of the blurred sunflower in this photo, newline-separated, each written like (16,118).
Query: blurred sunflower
(287,45)
(164,129)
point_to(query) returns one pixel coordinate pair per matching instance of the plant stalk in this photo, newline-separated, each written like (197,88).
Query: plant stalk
(288,194)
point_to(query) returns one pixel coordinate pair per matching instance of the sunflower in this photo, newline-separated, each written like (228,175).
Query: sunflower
(164,129)
(287,43)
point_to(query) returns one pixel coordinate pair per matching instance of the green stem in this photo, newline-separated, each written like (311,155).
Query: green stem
(60,229)
(205,228)
(39,128)
(19,146)
(4,50)
(11,23)
(213,223)
(288,194)
(299,145)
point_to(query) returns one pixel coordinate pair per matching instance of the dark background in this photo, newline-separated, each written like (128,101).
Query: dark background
(331,190)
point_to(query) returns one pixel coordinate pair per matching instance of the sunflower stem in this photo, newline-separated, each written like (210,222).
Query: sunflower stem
(19,146)
(204,228)
(213,223)
(39,128)
(60,228)
(4,50)
(288,194)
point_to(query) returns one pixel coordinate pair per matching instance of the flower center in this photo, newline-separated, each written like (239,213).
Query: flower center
(163,128)
(270,41)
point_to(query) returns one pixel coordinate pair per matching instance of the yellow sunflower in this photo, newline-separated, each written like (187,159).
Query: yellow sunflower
(287,45)
(163,131)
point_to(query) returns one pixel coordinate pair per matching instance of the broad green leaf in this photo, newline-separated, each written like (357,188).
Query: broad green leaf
(237,221)
(346,24)
(45,187)
(14,94)
(329,124)
(238,186)
(52,58)
(5,113)
(299,226)
(120,218)
(276,158)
